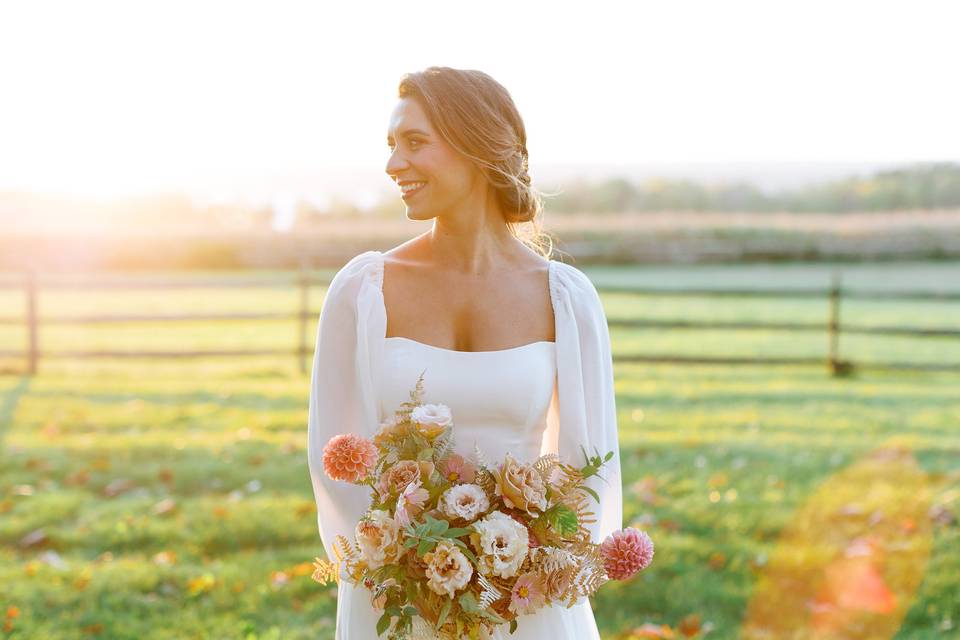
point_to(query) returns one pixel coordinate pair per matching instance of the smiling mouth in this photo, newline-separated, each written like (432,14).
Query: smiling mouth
(410,192)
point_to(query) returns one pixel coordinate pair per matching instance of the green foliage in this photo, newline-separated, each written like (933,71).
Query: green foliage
(919,186)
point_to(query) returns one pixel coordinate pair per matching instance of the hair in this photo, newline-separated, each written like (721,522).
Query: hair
(477,117)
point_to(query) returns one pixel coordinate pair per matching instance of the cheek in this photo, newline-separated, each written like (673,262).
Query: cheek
(449,172)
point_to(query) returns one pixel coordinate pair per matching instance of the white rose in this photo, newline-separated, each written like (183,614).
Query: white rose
(378,538)
(438,414)
(502,544)
(465,501)
(447,569)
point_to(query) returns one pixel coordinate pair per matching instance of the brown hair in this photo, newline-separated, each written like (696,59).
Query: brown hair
(476,116)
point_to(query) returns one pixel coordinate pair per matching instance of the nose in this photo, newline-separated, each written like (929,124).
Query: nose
(395,163)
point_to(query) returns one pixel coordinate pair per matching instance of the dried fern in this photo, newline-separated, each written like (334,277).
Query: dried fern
(546,463)
(490,593)
(325,571)
(348,556)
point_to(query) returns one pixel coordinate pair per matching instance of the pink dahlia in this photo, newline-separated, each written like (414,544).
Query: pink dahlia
(349,457)
(625,552)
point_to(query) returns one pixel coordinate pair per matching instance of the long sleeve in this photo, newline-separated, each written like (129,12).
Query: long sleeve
(338,400)
(587,399)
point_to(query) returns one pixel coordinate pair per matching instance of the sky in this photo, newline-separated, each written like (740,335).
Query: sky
(271,100)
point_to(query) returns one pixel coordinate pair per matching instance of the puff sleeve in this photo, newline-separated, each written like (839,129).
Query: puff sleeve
(338,402)
(586,395)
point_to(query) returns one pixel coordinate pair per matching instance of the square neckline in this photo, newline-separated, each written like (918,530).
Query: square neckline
(550,284)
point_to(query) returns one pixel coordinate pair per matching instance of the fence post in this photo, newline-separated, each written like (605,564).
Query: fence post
(833,328)
(30,291)
(304,310)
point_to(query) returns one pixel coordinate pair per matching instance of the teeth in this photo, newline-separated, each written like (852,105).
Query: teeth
(413,185)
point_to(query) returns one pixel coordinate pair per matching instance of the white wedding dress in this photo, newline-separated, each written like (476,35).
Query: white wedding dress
(541,397)
(499,401)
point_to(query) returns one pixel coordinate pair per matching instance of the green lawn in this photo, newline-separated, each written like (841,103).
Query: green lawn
(172,499)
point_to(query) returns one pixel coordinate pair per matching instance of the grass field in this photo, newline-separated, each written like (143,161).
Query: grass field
(171,499)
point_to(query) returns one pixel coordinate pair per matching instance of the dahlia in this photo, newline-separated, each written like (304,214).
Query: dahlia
(349,457)
(625,552)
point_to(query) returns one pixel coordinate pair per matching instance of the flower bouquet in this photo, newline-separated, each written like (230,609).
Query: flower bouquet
(452,547)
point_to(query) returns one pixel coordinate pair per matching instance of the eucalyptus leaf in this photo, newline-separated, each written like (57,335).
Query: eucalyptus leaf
(444,612)
(425,546)
(591,492)
(383,623)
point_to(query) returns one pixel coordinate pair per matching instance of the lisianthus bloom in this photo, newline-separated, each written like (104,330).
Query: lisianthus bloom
(349,457)
(431,419)
(520,485)
(447,569)
(378,537)
(532,539)
(625,552)
(456,468)
(501,544)
(466,501)
(410,503)
(396,478)
(527,594)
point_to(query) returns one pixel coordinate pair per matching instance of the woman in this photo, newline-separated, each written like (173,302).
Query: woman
(514,343)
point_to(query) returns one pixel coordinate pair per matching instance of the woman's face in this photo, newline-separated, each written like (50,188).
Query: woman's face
(419,154)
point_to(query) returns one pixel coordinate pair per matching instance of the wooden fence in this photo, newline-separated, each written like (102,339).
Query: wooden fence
(306,319)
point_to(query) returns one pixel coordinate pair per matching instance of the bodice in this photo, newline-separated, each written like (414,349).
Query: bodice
(499,399)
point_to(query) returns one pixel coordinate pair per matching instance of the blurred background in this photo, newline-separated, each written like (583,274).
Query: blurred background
(766,195)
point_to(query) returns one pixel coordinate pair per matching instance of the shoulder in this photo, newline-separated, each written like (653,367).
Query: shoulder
(575,282)
(345,284)
(360,265)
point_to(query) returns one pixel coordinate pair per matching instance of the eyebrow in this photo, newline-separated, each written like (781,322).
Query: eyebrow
(407,132)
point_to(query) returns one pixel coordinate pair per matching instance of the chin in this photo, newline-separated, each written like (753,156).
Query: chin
(413,214)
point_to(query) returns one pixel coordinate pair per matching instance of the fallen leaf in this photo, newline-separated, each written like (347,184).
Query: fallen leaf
(165,506)
(201,584)
(117,487)
(34,538)
(78,478)
(689,625)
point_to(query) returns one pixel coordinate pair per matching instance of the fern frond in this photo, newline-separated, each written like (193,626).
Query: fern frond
(325,571)
(546,463)
(490,593)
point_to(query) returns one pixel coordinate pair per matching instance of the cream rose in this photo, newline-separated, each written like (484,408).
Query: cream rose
(378,538)
(502,544)
(520,485)
(467,501)
(431,419)
(447,569)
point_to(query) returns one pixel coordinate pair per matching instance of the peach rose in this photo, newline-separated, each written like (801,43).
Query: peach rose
(396,478)
(520,485)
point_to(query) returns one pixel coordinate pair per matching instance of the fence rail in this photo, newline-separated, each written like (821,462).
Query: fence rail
(305,316)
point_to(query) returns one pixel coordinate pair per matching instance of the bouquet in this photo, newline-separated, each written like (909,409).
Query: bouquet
(451,547)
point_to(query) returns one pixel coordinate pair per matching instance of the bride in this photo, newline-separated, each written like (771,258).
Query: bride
(515,343)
